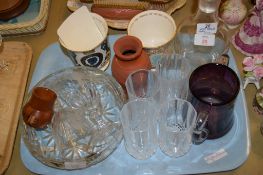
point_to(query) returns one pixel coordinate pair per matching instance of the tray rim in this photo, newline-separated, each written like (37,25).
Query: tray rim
(13,128)
(246,123)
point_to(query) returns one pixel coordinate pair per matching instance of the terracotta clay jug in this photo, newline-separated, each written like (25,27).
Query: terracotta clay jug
(38,111)
(129,57)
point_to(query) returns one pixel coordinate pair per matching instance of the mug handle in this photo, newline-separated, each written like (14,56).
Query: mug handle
(200,133)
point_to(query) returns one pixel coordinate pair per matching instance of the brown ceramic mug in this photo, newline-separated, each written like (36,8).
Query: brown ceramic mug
(12,8)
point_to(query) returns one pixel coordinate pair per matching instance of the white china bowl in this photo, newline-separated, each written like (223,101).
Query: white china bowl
(153,27)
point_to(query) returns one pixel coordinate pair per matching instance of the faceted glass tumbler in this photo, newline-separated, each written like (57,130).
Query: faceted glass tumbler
(176,124)
(140,128)
(85,127)
(143,84)
(173,71)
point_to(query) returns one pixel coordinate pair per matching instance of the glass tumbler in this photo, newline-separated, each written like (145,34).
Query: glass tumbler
(140,128)
(143,84)
(173,71)
(177,121)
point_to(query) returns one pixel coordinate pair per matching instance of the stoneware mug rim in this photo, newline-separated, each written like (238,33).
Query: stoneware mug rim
(105,33)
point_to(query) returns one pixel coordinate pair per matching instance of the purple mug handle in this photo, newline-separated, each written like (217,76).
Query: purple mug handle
(200,133)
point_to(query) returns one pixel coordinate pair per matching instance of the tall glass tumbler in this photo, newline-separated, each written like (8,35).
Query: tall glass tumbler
(140,128)
(143,84)
(177,121)
(173,71)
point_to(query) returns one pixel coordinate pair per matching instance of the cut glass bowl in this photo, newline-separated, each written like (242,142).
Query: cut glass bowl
(85,127)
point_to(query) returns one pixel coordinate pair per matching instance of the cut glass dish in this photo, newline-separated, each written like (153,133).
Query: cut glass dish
(85,128)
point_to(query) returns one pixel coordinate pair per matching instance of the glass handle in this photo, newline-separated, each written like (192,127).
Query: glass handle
(223,59)
(200,133)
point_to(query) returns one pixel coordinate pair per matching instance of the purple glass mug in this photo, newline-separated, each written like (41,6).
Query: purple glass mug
(214,88)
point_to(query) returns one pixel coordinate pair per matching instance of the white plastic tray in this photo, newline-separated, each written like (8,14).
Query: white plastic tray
(223,154)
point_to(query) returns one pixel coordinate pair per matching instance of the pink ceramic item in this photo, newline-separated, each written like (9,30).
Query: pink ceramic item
(233,12)
(115,13)
(129,57)
(253,70)
(249,39)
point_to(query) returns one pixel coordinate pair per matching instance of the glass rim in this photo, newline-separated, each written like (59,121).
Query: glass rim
(233,96)
(177,99)
(153,72)
(136,100)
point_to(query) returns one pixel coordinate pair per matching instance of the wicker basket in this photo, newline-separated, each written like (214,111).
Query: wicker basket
(33,26)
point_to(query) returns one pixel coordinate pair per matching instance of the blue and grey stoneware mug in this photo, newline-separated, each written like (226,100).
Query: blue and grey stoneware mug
(99,56)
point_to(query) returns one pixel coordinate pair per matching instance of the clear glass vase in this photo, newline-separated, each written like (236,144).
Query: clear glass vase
(202,38)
